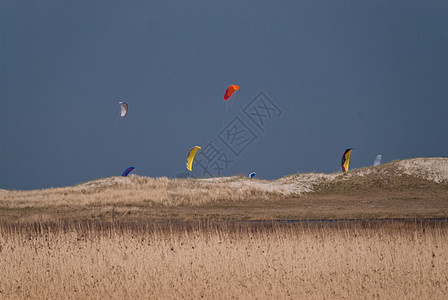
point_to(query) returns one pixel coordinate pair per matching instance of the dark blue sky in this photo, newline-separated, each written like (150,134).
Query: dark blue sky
(370,75)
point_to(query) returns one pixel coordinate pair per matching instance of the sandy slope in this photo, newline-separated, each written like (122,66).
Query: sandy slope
(293,184)
(103,182)
(433,169)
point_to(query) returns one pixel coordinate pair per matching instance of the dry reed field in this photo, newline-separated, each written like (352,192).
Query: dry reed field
(224,260)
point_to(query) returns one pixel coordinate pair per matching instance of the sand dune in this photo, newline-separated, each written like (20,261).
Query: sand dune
(424,169)
(408,188)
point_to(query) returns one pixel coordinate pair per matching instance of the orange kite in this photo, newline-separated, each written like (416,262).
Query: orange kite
(229,91)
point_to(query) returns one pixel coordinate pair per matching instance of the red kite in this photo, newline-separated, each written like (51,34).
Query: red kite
(229,91)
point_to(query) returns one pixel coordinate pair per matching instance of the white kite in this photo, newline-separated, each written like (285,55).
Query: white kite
(124,108)
(377,160)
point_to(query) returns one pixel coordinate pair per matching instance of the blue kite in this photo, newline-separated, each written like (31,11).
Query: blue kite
(127,171)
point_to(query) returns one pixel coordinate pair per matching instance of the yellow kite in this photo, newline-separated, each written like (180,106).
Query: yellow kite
(190,157)
(346,159)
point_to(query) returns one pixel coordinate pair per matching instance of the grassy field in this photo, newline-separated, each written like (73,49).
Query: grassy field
(224,260)
(159,238)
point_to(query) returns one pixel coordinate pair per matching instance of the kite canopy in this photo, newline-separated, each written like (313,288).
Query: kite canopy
(229,91)
(127,171)
(377,160)
(251,175)
(346,159)
(124,108)
(190,157)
